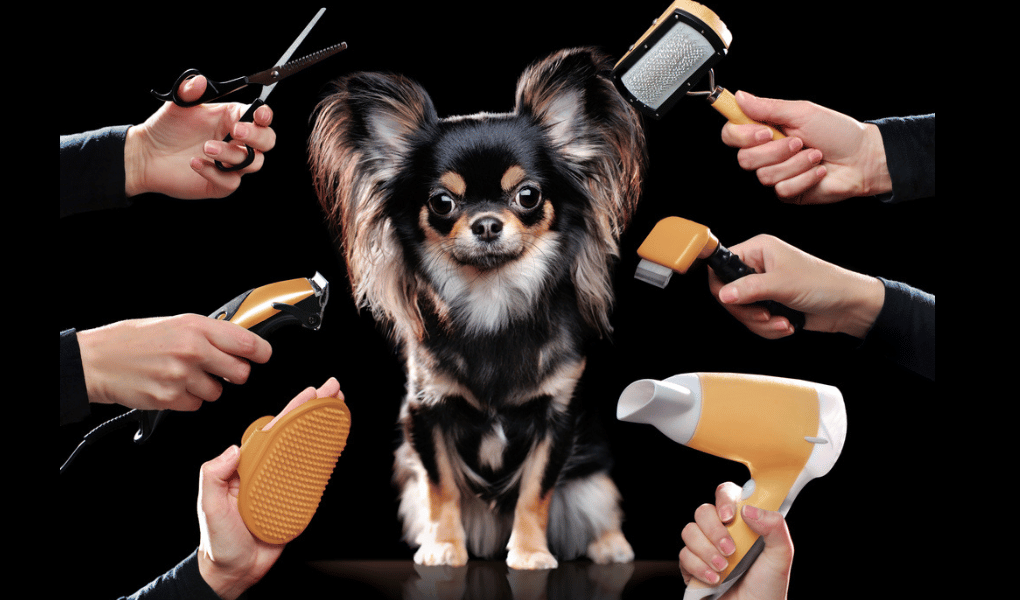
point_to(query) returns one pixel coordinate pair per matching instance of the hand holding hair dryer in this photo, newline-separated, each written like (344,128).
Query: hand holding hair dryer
(786,431)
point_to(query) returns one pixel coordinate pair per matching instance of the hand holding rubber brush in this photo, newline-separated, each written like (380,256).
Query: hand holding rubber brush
(673,55)
(676,243)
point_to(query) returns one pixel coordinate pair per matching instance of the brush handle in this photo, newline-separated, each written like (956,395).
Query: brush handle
(729,268)
(724,102)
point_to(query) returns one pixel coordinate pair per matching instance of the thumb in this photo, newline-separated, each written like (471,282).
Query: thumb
(766,110)
(192,88)
(748,289)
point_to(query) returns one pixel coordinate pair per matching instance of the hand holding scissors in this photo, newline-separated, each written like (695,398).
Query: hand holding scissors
(267,78)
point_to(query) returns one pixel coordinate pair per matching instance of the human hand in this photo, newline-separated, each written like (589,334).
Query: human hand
(174,150)
(230,558)
(833,299)
(167,362)
(708,543)
(826,157)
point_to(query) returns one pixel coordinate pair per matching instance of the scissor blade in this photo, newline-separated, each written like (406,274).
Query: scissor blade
(271,76)
(286,55)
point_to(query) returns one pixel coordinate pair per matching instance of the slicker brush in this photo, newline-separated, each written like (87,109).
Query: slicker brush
(284,471)
(680,48)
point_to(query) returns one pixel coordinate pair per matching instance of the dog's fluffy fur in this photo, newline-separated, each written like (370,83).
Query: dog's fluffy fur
(484,244)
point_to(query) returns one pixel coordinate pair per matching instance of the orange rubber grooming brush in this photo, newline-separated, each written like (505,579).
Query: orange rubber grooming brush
(284,470)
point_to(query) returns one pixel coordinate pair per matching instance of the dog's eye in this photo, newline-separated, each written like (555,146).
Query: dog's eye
(442,204)
(528,197)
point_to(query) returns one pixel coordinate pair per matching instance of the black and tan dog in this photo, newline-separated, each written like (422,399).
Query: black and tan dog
(484,243)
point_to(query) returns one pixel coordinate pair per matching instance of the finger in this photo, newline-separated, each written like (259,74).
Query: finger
(769,154)
(700,557)
(773,529)
(330,389)
(305,395)
(263,116)
(192,88)
(802,188)
(237,341)
(260,138)
(232,153)
(781,113)
(737,135)
(798,163)
(726,497)
(712,526)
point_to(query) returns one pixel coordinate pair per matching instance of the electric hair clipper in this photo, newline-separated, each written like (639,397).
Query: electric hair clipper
(675,244)
(786,431)
(261,310)
(676,52)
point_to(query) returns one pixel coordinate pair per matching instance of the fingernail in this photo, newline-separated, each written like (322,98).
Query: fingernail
(211,148)
(815,156)
(719,563)
(728,295)
(712,576)
(725,514)
(727,546)
(762,135)
(752,512)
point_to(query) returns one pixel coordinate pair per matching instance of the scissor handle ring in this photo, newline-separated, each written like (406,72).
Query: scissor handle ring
(213,89)
(248,116)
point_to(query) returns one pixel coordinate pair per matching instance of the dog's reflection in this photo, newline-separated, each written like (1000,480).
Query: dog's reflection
(492,580)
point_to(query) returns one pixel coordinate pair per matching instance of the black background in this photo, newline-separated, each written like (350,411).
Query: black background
(127,512)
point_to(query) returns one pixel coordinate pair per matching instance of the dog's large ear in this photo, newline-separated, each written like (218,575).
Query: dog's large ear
(600,136)
(362,133)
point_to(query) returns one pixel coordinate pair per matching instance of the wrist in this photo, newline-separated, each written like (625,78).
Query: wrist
(865,303)
(226,583)
(134,162)
(876,170)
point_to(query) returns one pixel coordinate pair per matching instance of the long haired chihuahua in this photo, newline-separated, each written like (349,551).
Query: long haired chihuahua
(484,244)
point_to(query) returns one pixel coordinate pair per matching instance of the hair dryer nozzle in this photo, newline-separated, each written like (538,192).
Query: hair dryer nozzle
(673,406)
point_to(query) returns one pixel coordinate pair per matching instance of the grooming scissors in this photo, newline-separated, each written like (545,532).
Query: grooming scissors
(267,79)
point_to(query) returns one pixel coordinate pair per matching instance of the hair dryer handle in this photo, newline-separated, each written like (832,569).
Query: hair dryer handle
(748,544)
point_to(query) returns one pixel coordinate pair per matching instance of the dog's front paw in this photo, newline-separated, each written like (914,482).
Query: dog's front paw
(435,554)
(611,547)
(530,560)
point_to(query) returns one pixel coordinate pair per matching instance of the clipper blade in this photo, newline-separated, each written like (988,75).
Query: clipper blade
(284,471)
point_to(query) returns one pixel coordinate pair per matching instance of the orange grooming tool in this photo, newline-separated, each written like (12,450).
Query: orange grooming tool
(675,244)
(284,470)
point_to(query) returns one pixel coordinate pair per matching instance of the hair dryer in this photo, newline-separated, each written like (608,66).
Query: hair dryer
(785,431)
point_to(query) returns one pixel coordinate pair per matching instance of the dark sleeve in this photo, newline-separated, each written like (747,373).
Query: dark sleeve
(74,400)
(910,156)
(905,329)
(92,170)
(183,582)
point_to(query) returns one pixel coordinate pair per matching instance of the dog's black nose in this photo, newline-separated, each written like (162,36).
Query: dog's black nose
(487,228)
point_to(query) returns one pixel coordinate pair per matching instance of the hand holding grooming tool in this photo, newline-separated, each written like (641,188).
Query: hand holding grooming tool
(267,79)
(260,311)
(675,243)
(284,471)
(786,431)
(674,54)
